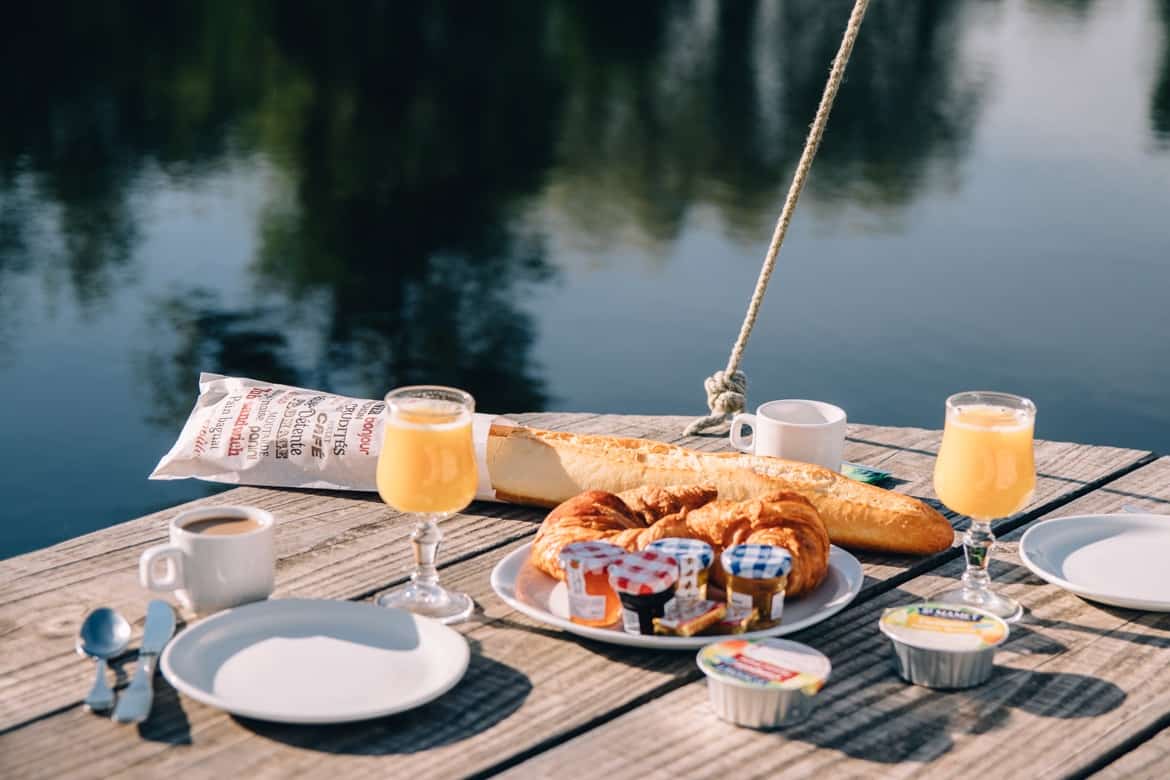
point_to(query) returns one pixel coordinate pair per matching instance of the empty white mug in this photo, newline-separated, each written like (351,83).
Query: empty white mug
(795,429)
(210,572)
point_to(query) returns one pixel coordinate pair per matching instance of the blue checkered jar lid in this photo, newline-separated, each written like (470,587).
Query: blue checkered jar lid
(756,561)
(685,548)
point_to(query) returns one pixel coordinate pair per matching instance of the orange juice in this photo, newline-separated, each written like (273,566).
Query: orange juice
(984,468)
(427,463)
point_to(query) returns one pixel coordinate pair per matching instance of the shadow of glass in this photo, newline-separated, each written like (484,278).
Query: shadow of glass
(457,715)
(868,712)
(1150,619)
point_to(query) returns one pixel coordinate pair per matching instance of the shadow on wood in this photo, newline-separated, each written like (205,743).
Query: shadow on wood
(168,720)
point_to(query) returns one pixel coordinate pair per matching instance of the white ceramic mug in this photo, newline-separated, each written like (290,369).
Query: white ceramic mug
(808,431)
(209,572)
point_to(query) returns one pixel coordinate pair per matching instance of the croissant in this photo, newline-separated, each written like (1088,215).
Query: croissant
(634,519)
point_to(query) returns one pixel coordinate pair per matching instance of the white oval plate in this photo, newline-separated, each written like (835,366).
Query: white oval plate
(315,661)
(1114,559)
(529,590)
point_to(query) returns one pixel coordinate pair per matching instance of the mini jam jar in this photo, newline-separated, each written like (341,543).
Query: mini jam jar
(645,582)
(694,559)
(592,600)
(757,575)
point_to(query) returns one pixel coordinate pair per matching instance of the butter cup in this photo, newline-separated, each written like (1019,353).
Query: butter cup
(943,646)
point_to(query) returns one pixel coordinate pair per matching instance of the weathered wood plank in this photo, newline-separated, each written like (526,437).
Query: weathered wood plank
(345,545)
(524,683)
(571,685)
(329,546)
(1150,759)
(1070,667)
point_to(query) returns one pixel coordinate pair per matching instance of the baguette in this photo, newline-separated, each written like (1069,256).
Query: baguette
(545,468)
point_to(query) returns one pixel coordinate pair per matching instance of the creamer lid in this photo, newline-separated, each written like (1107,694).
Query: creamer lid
(756,561)
(689,548)
(948,627)
(643,573)
(765,663)
(590,556)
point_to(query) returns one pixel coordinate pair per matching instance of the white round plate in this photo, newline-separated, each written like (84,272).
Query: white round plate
(1114,559)
(529,590)
(315,661)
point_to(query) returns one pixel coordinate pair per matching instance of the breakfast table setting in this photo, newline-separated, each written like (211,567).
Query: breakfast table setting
(410,587)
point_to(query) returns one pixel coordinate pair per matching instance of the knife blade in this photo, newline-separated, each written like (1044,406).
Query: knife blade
(134,703)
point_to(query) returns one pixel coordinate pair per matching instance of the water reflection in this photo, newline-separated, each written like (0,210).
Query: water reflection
(1160,99)
(252,342)
(419,185)
(712,103)
(410,138)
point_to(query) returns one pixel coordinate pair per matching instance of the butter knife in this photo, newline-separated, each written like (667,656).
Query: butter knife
(134,703)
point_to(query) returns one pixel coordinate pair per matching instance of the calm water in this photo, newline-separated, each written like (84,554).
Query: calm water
(564,206)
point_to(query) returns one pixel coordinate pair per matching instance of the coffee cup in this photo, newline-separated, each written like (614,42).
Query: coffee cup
(218,557)
(807,431)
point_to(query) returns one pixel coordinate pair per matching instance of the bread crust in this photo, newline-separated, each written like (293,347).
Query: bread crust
(644,515)
(545,468)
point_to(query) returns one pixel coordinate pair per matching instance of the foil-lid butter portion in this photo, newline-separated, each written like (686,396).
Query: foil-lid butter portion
(766,663)
(946,627)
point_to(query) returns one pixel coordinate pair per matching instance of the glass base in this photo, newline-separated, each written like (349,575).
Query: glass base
(433,601)
(1001,606)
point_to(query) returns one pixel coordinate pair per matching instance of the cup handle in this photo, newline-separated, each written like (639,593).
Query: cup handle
(738,440)
(172,556)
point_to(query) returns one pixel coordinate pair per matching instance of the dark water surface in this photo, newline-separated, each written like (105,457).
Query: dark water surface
(564,206)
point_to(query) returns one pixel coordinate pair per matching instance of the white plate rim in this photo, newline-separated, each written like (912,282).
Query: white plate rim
(204,696)
(1116,519)
(841,560)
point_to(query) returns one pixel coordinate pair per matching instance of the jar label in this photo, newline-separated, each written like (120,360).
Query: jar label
(575,580)
(688,577)
(630,621)
(740,599)
(586,607)
(777,605)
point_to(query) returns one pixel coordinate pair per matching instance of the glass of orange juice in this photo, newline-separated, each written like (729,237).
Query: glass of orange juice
(427,467)
(985,470)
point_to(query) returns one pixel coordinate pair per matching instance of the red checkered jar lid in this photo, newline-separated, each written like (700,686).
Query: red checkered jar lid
(589,556)
(643,573)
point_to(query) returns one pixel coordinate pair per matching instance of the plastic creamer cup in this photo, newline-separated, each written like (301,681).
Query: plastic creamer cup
(943,645)
(763,683)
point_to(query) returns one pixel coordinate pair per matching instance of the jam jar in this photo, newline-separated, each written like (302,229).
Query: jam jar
(592,600)
(757,575)
(694,559)
(645,582)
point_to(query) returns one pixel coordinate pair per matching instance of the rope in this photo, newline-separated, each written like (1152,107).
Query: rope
(727,389)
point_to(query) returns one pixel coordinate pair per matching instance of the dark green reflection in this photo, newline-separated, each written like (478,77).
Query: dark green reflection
(1160,99)
(409,139)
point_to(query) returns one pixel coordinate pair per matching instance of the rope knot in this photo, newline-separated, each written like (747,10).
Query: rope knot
(726,393)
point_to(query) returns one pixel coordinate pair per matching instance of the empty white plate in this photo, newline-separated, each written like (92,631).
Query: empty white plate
(315,661)
(529,590)
(1114,559)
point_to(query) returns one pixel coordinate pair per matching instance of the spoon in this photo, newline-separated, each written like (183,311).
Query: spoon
(104,634)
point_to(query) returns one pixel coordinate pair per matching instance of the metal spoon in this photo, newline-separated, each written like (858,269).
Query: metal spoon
(104,634)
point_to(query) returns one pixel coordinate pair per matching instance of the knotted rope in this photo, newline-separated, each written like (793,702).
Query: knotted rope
(727,389)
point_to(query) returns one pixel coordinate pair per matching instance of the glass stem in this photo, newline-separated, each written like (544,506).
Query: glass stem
(426,538)
(977,544)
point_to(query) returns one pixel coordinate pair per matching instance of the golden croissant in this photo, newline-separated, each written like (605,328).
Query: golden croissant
(634,519)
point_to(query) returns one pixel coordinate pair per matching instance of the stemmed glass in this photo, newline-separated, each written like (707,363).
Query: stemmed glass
(985,470)
(427,467)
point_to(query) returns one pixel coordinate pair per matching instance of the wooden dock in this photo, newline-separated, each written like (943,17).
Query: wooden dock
(1080,689)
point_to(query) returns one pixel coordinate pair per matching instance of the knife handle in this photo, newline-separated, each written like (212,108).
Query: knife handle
(134,703)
